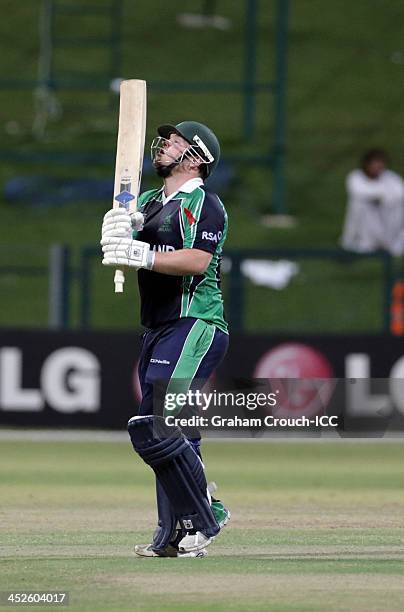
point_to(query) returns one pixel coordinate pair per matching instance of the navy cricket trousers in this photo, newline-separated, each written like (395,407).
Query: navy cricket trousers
(187,349)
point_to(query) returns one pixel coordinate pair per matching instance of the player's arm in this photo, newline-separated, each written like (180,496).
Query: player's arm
(137,254)
(121,249)
(182,263)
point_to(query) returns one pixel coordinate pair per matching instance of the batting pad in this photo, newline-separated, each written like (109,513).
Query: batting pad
(166,531)
(178,469)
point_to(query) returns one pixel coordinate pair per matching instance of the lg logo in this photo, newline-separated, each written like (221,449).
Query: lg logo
(361,399)
(69,382)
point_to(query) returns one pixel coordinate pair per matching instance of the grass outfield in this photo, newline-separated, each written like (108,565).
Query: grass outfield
(315,526)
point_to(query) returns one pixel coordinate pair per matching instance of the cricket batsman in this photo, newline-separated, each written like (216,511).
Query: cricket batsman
(175,241)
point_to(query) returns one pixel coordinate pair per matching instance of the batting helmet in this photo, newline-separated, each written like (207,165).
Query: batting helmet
(204,143)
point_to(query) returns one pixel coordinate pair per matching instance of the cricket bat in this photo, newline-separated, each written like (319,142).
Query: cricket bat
(129,152)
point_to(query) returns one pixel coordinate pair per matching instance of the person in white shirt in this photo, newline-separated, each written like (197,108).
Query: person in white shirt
(375,212)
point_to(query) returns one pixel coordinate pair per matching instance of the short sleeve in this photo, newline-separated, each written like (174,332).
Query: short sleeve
(204,223)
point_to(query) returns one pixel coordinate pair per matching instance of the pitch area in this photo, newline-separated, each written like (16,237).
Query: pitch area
(315,526)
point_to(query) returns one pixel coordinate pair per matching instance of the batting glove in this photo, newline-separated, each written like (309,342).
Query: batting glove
(127,252)
(119,222)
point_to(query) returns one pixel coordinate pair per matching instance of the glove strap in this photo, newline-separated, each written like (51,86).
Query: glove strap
(151,255)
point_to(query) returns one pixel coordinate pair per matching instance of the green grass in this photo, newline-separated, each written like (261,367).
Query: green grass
(314,526)
(344,95)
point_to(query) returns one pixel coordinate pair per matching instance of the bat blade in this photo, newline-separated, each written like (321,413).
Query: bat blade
(129,151)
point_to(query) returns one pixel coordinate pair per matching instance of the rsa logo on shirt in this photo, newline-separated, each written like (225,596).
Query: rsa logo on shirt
(212,236)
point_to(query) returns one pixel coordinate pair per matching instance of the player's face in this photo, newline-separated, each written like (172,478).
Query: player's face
(169,150)
(168,153)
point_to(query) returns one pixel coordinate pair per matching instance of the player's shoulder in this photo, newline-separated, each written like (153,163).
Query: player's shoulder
(213,202)
(208,199)
(151,194)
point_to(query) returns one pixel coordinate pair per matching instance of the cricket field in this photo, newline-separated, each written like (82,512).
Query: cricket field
(315,526)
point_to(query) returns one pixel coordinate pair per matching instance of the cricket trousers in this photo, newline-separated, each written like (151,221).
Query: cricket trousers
(186,351)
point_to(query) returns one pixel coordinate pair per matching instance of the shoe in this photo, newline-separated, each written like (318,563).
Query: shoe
(194,542)
(145,550)
(198,541)
(196,554)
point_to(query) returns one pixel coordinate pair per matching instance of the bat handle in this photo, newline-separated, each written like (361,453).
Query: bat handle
(119,280)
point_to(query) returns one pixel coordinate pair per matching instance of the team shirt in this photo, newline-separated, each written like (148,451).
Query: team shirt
(191,218)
